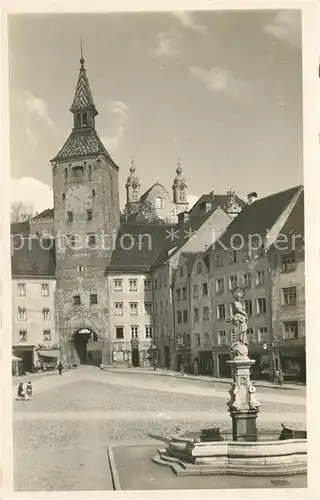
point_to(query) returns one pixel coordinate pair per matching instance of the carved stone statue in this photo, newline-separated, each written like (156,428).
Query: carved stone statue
(254,404)
(239,320)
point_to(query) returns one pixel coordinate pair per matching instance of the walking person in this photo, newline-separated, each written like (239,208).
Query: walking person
(28,391)
(20,392)
(60,368)
(182,368)
(280,377)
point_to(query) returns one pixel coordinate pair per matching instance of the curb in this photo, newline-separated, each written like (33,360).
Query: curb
(201,378)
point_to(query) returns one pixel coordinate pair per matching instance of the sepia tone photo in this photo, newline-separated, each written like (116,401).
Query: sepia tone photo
(157,250)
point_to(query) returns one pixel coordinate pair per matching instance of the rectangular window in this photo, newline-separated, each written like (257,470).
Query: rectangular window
(93,299)
(233,282)
(288,263)
(91,240)
(133,308)
(89,214)
(134,331)
(222,337)
(221,311)
(185,316)
(260,278)
(195,291)
(148,331)
(233,257)
(23,336)
(22,314)
(199,268)
(71,240)
(289,296)
(133,285)
(206,313)
(220,285)
(204,288)
(155,284)
(184,293)
(118,308)
(117,285)
(188,340)
(45,290)
(250,335)
(156,307)
(21,289)
(76,300)
(69,216)
(161,307)
(262,334)
(178,294)
(148,284)
(206,339)
(291,330)
(46,335)
(197,339)
(119,332)
(248,307)
(196,314)
(45,314)
(179,317)
(148,308)
(181,272)
(219,260)
(246,280)
(261,306)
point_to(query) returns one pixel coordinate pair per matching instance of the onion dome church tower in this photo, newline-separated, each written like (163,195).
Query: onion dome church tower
(87,215)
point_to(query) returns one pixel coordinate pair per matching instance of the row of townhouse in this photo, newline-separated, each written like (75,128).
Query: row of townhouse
(272,276)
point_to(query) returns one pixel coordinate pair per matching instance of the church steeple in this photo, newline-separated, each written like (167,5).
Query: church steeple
(83,108)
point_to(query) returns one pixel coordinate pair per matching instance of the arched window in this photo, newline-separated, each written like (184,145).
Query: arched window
(93,193)
(89,170)
(84,119)
(66,173)
(78,120)
(158,202)
(63,196)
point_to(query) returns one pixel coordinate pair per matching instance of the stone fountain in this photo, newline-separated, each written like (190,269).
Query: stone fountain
(244,451)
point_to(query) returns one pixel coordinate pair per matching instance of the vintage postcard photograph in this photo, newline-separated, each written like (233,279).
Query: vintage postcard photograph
(157,240)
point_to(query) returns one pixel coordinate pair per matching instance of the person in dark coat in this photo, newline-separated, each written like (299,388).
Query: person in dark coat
(60,368)
(20,391)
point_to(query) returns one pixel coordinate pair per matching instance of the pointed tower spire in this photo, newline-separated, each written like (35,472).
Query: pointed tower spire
(83,107)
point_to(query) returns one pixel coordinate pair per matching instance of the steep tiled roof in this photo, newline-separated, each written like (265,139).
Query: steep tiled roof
(258,217)
(145,249)
(33,259)
(294,225)
(48,213)
(82,142)
(83,97)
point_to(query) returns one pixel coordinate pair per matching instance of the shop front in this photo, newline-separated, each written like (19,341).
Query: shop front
(26,353)
(293,364)
(47,357)
(206,363)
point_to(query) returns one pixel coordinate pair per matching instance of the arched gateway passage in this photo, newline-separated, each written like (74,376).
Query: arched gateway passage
(88,347)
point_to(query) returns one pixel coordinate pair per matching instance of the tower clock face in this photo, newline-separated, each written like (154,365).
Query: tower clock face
(78,198)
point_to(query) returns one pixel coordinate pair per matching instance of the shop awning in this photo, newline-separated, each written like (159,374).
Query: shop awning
(15,358)
(49,353)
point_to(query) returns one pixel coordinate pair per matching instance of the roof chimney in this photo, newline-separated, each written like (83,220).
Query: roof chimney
(212,194)
(252,197)
(183,217)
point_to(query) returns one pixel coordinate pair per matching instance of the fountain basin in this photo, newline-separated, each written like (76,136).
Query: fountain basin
(192,454)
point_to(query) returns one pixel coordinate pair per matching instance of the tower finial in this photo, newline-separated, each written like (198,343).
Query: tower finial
(81,53)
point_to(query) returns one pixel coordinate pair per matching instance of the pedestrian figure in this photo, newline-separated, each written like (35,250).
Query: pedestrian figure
(280,377)
(155,362)
(196,367)
(28,391)
(20,392)
(60,368)
(182,368)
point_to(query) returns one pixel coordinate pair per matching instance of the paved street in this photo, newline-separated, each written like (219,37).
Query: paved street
(61,436)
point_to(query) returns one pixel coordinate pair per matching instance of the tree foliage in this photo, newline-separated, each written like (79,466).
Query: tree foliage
(140,212)
(21,211)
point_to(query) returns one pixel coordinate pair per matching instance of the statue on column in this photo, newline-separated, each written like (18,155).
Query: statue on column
(239,320)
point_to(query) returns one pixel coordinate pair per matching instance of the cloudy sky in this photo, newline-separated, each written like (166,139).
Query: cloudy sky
(220,90)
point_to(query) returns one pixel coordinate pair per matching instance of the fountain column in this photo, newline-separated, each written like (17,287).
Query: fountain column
(243,406)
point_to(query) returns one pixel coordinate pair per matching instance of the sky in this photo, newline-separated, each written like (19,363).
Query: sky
(221,90)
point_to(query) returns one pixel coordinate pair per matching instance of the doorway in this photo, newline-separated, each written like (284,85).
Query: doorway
(167,357)
(135,358)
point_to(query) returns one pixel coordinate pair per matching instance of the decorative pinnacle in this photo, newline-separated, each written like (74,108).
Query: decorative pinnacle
(179,168)
(81,52)
(132,167)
